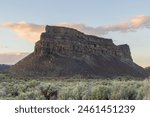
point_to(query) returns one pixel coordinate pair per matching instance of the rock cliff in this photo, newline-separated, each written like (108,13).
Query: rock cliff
(65,52)
(70,42)
(148,70)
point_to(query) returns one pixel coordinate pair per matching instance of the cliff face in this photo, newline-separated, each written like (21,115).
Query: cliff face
(148,70)
(64,51)
(70,42)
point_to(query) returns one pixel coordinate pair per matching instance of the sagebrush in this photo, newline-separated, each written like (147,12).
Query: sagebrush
(73,88)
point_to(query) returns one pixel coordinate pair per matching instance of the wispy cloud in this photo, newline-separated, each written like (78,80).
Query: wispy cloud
(133,24)
(11,58)
(25,30)
(32,32)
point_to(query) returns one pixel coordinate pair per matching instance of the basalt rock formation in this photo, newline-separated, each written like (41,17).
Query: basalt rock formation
(64,51)
(147,69)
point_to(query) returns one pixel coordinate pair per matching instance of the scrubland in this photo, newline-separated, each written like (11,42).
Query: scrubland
(73,88)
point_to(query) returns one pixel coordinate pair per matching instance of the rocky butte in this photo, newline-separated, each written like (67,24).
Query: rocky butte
(65,51)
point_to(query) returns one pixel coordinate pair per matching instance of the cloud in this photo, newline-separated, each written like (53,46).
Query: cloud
(3,46)
(133,24)
(11,58)
(25,30)
(32,32)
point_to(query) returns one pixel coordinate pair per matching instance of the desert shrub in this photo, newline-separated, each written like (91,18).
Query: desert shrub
(3,92)
(32,83)
(145,90)
(101,93)
(88,92)
(49,91)
(22,96)
(9,91)
(124,90)
(66,94)
(30,95)
(79,91)
(2,76)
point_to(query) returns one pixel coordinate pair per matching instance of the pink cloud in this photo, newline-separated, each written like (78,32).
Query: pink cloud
(25,30)
(132,24)
(31,32)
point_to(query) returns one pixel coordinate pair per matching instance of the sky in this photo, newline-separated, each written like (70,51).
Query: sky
(126,22)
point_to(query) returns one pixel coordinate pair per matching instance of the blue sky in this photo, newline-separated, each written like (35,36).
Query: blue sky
(91,13)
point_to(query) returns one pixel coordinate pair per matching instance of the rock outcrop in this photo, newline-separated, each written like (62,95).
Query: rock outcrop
(70,42)
(65,52)
(147,69)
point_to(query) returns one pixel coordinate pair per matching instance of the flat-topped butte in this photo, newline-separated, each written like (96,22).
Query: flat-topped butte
(65,51)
